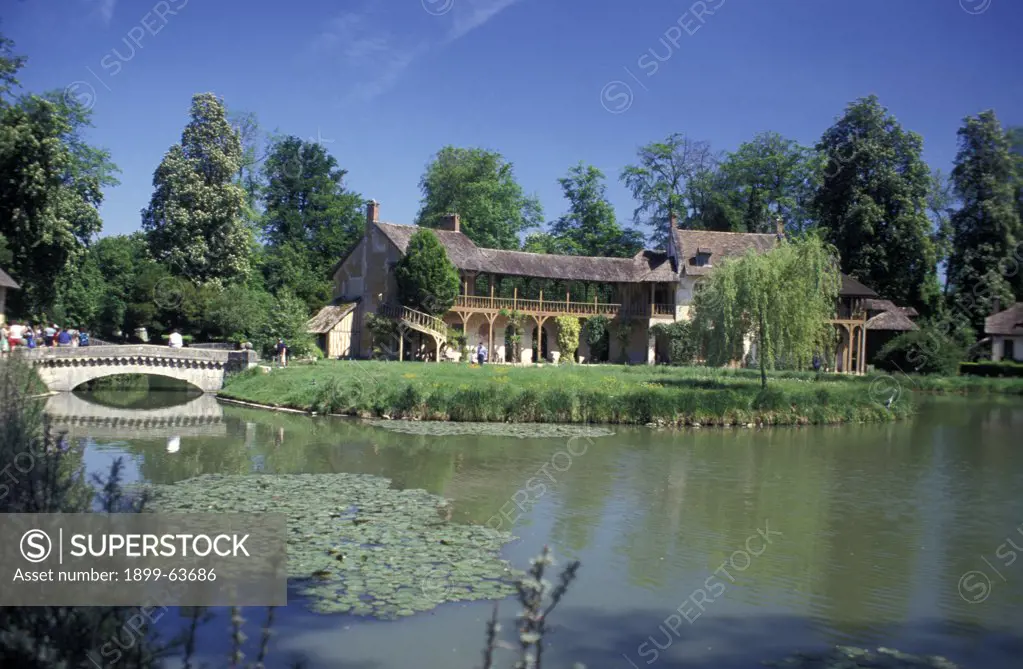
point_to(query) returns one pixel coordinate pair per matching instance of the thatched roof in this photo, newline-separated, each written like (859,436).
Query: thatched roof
(328,317)
(853,288)
(717,246)
(645,266)
(7,282)
(1008,322)
(894,320)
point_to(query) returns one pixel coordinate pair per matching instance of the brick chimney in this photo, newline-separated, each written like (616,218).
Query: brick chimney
(451,222)
(996,305)
(372,215)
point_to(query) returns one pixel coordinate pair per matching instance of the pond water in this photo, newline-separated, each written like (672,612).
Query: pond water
(769,542)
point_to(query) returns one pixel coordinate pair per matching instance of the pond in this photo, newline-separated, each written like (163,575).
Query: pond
(700,548)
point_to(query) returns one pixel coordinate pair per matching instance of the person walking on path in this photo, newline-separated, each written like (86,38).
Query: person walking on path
(282,352)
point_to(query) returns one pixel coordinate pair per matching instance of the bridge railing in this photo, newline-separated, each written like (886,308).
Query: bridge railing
(231,358)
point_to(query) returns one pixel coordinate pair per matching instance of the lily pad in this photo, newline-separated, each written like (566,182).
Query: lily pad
(355,544)
(848,657)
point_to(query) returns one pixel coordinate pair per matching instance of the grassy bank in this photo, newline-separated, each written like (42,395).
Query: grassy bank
(570,394)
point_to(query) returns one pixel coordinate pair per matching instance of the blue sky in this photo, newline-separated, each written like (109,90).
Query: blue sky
(386,83)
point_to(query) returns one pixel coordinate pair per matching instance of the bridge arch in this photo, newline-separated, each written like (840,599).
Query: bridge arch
(64,369)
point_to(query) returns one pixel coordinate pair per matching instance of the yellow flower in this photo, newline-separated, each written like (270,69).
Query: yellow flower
(408,376)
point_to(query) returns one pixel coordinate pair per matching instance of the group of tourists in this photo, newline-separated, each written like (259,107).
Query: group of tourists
(21,334)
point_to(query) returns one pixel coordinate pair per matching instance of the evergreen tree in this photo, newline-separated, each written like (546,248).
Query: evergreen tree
(872,204)
(427,280)
(986,227)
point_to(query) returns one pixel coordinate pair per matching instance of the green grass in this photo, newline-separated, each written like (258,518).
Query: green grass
(571,394)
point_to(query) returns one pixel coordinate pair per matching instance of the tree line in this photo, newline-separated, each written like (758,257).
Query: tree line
(243,225)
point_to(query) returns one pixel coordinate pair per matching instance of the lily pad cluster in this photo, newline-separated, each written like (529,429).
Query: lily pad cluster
(847,657)
(355,544)
(521,430)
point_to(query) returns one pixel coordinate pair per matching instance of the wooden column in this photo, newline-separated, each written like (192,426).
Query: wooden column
(515,296)
(491,297)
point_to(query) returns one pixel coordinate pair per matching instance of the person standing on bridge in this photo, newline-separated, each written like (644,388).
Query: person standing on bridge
(175,340)
(5,344)
(63,338)
(83,337)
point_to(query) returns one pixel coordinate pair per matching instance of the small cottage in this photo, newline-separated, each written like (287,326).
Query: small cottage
(332,327)
(1005,329)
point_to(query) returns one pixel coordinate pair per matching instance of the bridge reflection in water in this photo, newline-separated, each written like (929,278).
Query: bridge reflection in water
(202,416)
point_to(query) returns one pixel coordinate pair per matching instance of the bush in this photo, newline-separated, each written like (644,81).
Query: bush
(597,333)
(681,341)
(1003,368)
(924,351)
(568,336)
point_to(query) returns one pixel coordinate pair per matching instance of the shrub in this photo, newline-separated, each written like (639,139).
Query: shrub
(1002,368)
(924,351)
(568,336)
(681,341)
(596,330)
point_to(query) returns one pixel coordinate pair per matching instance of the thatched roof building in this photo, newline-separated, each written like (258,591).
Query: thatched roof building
(7,282)
(1008,322)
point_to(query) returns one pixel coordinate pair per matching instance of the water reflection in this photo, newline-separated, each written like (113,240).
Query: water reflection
(878,523)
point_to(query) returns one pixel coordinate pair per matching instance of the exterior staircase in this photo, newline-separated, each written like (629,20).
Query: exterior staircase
(410,319)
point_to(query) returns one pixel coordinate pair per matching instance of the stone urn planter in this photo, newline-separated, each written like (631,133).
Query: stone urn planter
(555,357)
(581,359)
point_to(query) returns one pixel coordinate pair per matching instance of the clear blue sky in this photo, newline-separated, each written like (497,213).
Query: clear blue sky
(386,83)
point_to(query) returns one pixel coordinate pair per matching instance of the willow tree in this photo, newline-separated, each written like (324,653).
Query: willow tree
(781,301)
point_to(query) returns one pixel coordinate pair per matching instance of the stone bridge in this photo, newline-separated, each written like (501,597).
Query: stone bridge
(64,369)
(201,416)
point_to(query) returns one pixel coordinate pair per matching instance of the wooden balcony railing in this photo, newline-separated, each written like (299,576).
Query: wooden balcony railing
(561,307)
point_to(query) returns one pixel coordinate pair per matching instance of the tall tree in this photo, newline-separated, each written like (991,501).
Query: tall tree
(426,279)
(1015,137)
(310,219)
(781,300)
(772,177)
(940,201)
(480,186)
(986,227)
(51,188)
(659,180)
(589,228)
(10,64)
(872,204)
(194,220)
